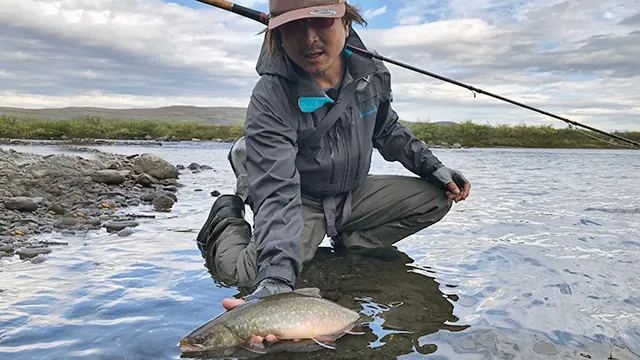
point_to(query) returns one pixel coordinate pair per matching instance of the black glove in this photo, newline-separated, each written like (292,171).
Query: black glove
(268,286)
(444,175)
(451,180)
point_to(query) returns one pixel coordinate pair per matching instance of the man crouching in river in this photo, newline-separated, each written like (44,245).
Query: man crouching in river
(304,181)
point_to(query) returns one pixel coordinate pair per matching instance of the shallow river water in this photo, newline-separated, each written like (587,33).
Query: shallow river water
(539,262)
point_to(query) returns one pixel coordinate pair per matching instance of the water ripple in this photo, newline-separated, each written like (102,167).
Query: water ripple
(539,263)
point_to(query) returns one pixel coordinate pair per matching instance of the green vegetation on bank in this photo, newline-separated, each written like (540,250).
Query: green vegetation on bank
(469,134)
(466,134)
(98,128)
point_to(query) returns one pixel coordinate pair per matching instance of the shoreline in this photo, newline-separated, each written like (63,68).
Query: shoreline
(74,144)
(102,142)
(70,194)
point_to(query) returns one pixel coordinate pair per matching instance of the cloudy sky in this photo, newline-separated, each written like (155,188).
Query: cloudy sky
(579,59)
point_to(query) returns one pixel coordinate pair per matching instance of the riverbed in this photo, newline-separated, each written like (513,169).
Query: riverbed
(539,262)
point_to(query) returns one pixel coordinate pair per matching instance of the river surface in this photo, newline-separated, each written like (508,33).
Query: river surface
(539,262)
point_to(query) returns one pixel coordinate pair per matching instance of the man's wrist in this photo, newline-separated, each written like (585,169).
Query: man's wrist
(267,287)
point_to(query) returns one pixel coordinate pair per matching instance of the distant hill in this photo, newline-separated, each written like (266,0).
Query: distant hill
(178,114)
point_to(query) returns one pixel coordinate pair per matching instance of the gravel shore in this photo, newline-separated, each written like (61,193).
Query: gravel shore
(69,194)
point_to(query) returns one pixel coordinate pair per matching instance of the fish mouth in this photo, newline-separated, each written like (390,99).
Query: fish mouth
(186,346)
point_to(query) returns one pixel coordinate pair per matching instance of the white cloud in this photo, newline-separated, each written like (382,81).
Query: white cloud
(370,14)
(110,100)
(577,59)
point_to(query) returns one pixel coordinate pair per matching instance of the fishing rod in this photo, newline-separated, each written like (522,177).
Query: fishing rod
(264,19)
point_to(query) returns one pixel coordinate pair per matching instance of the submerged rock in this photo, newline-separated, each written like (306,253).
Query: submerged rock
(117,225)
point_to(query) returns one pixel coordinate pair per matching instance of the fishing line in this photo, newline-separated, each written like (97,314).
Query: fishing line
(264,19)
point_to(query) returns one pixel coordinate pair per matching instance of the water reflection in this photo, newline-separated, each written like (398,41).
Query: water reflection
(539,262)
(400,302)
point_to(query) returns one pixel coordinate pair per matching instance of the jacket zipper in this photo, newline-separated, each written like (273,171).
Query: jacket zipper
(354,123)
(345,169)
(333,160)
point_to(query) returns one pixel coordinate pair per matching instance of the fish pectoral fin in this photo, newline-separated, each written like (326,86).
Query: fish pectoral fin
(310,291)
(254,347)
(324,342)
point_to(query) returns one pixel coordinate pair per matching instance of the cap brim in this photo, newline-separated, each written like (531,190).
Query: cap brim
(331,11)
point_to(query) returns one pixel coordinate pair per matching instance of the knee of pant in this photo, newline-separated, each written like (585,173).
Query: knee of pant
(238,155)
(437,207)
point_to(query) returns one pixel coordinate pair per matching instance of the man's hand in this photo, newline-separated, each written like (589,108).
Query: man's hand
(265,288)
(454,181)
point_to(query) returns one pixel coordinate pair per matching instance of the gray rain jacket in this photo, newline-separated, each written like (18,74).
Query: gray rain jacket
(285,107)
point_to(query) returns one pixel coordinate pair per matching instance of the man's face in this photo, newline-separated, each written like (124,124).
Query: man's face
(315,43)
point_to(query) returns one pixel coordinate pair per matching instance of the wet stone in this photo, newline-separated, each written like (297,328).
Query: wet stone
(125,232)
(172,196)
(32,252)
(163,203)
(544,348)
(148,197)
(38,259)
(118,225)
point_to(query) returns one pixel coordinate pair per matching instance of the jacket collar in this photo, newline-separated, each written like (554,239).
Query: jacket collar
(310,95)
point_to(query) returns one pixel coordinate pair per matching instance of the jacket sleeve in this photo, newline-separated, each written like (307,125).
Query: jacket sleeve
(274,188)
(396,142)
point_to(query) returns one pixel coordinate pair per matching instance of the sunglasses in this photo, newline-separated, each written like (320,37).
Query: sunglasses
(316,23)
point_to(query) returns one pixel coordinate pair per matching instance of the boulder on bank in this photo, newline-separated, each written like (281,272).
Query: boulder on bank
(22,203)
(113,177)
(155,166)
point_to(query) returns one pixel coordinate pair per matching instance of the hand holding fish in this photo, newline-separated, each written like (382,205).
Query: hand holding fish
(300,315)
(265,288)
(230,304)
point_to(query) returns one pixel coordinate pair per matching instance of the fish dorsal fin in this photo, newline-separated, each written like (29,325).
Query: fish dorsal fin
(310,291)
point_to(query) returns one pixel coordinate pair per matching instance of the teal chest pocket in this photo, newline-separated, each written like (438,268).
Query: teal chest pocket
(367,106)
(368,112)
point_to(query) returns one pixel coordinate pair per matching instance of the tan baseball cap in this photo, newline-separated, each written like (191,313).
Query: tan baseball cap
(283,11)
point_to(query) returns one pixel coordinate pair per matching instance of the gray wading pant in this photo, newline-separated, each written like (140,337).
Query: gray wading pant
(385,209)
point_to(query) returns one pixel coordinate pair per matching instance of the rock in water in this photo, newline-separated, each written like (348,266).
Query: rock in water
(162,203)
(112,177)
(300,314)
(155,166)
(21,203)
(117,225)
